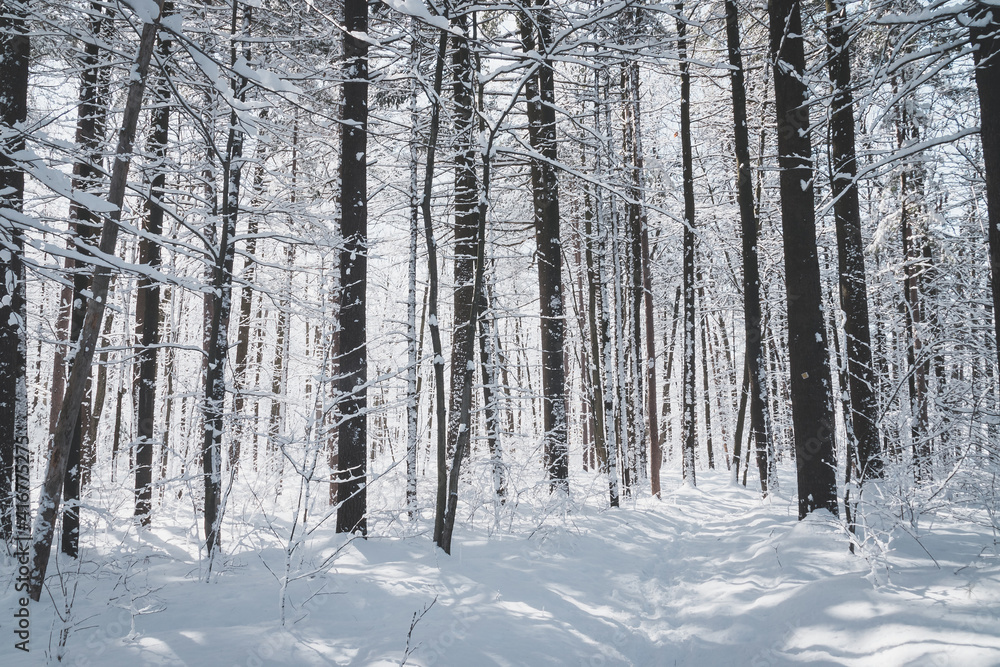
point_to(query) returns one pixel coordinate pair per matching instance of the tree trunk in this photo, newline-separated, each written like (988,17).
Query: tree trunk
(51,496)
(90,131)
(15,49)
(540,96)
(850,247)
(809,366)
(688,374)
(353,358)
(706,397)
(983,32)
(433,323)
(241,370)
(412,395)
(594,307)
(756,368)
(147,308)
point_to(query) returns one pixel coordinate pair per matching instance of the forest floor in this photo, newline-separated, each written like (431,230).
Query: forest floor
(703,577)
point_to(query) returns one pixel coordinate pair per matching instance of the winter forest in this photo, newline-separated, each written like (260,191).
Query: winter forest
(531,332)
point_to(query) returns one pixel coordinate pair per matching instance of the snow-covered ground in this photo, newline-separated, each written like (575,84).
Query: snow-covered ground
(706,576)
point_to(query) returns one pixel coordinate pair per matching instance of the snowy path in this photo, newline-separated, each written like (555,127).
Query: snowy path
(705,577)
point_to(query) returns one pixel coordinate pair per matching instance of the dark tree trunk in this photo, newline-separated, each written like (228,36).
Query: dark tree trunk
(756,368)
(353,359)
(441,450)
(58,457)
(851,258)
(809,366)
(14,464)
(147,308)
(641,277)
(540,96)
(241,370)
(985,35)
(596,384)
(911,188)
(668,371)
(707,393)
(466,221)
(688,375)
(90,130)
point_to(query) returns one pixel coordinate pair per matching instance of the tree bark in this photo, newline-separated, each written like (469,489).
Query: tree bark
(147,308)
(15,47)
(984,32)
(850,250)
(756,368)
(353,359)
(540,96)
(688,375)
(812,407)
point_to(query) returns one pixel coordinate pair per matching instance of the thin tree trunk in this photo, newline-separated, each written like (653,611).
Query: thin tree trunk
(706,397)
(540,95)
(412,395)
(433,322)
(984,32)
(90,131)
(850,247)
(241,371)
(15,47)
(58,457)
(668,370)
(594,307)
(353,358)
(756,368)
(911,193)
(690,322)
(466,199)
(147,308)
(221,310)
(809,366)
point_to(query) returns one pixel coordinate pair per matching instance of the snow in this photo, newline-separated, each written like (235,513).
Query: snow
(146,10)
(417,9)
(707,576)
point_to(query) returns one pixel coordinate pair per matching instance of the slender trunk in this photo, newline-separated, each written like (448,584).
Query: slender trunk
(850,247)
(478,306)
(911,207)
(147,308)
(812,408)
(100,394)
(353,358)
(630,90)
(689,367)
(540,95)
(244,331)
(15,49)
(90,131)
(488,357)
(669,368)
(466,223)
(433,322)
(756,368)
(412,395)
(741,419)
(983,32)
(594,307)
(705,354)
(605,355)
(221,309)
(58,457)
